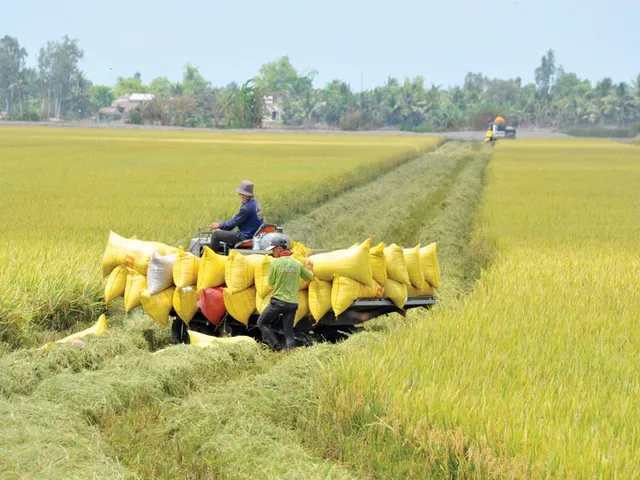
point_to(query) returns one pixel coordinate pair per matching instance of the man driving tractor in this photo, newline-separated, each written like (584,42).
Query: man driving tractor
(284,274)
(248,220)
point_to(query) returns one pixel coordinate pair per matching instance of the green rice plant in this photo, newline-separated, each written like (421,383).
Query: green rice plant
(62,190)
(534,374)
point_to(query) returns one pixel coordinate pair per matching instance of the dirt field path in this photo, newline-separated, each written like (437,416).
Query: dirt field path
(458,135)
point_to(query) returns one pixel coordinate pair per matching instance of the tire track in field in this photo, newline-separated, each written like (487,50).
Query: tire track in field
(407,231)
(379,208)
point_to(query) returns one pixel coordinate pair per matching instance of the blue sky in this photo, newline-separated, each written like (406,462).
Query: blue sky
(229,40)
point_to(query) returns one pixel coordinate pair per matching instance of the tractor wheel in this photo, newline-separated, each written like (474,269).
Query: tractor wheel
(179,331)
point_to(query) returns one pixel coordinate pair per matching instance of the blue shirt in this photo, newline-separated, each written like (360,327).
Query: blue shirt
(248,219)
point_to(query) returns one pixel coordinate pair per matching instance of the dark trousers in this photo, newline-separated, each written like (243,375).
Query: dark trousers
(228,237)
(271,316)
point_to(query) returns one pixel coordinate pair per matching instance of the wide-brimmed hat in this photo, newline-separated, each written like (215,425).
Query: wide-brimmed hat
(245,188)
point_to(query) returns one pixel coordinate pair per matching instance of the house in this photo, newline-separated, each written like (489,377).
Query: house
(123,105)
(272,108)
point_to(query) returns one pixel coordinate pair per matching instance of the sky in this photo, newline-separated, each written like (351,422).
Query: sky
(360,42)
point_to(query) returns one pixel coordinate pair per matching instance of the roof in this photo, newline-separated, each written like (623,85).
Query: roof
(141,97)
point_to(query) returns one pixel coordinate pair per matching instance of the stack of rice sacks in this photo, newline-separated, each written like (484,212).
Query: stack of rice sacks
(363,271)
(126,263)
(161,278)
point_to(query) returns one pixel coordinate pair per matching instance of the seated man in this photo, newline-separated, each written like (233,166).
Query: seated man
(248,220)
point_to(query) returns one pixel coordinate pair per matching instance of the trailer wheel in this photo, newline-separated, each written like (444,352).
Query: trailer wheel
(335,334)
(179,331)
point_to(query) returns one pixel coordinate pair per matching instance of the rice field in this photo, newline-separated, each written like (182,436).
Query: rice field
(63,190)
(128,404)
(536,373)
(531,375)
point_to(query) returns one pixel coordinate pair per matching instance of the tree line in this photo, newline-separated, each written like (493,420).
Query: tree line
(57,88)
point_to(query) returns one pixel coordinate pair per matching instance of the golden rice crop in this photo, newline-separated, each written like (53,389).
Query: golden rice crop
(535,375)
(62,190)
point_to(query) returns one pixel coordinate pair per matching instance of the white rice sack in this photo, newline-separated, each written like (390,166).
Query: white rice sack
(160,273)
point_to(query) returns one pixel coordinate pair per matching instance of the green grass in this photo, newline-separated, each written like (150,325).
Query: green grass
(62,190)
(534,374)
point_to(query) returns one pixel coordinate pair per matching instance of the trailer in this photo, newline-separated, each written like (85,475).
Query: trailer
(307,331)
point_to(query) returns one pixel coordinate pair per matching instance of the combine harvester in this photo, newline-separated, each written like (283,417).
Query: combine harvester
(222,292)
(499,130)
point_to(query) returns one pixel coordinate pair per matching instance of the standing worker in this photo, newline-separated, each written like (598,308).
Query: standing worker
(248,220)
(284,274)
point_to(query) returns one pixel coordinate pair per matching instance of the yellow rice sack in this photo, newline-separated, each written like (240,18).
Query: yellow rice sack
(240,305)
(354,262)
(430,265)
(210,269)
(418,292)
(414,266)
(239,271)
(185,269)
(299,251)
(136,284)
(203,341)
(261,277)
(303,304)
(158,306)
(396,269)
(396,292)
(116,284)
(345,291)
(131,252)
(319,298)
(262,302)
(97,329)
(378,264)
(185,302)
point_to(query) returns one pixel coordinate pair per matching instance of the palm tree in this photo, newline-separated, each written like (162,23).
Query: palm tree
(17,86)
(635,85)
